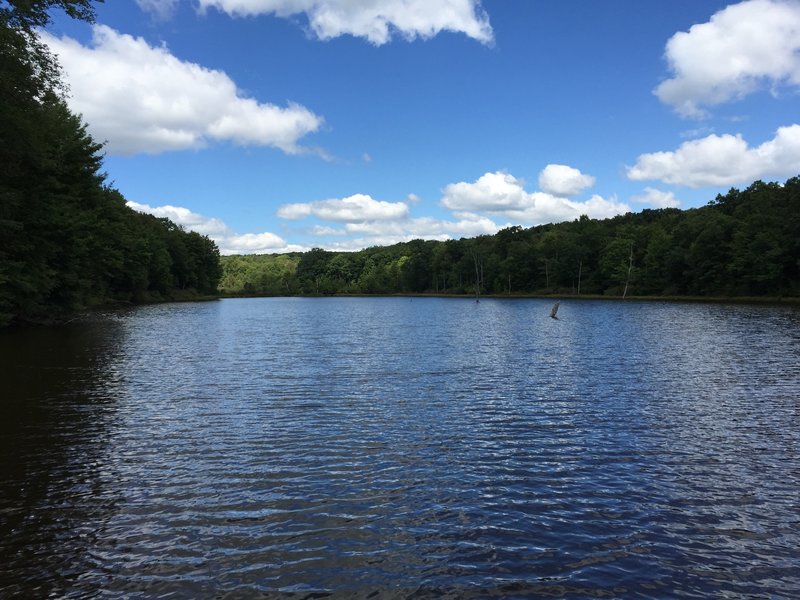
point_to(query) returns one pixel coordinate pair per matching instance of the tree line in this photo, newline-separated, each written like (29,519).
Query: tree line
(67,239)
(743,243)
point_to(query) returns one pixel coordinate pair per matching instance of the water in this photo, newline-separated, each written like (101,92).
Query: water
(403,448)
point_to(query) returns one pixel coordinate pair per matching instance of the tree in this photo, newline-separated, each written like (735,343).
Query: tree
(311,270)
(617,263)
(763,245)
(68,241)
(30,14)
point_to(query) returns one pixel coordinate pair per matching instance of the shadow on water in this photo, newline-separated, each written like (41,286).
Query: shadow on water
(56,413)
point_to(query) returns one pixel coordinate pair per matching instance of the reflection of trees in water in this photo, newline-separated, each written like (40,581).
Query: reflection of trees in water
(56,421)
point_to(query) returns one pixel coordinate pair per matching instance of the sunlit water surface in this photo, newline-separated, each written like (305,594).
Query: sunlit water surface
(403,448)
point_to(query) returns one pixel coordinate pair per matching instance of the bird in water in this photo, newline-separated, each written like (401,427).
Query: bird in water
(554,311)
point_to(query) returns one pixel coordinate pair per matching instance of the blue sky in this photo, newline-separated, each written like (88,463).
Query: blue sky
(279,125)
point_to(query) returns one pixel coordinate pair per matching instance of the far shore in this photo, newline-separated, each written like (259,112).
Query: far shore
(784,300)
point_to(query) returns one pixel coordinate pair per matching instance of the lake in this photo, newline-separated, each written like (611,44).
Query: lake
(399,447)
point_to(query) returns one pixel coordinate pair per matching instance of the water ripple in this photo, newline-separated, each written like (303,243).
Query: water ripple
(396,449)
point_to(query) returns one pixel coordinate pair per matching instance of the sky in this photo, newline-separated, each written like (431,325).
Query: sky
(282,125)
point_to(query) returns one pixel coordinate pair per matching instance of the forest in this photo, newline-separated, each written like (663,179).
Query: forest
(67,239)
(741,244)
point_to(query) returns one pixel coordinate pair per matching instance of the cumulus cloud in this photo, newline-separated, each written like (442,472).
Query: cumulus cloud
(657,198)
(502,194)
(254,243)
(467,225)
(185,218)
(492,192)
(384,233)
(357,208)
(721,160)
(743,48)
(362,221)
(564,181)
(546,208)
(141,98)
(227,240)
(375,20)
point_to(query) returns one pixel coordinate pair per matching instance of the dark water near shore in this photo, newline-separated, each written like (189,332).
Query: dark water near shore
(403,448)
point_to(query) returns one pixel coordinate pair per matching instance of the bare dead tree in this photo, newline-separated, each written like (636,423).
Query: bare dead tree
(478,276)
(630,268)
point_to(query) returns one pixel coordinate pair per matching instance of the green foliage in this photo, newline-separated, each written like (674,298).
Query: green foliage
(262,275)
(28,14)
(746,243)
(67,240)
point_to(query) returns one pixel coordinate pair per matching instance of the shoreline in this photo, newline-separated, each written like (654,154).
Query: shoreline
(778,300)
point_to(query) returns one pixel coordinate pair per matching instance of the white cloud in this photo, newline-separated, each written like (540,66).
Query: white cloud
(253,243)
(375,20)
(564,181)
(325,231)
(743,48)
(721,160)
(467,225)
(141,98)
(360,221)
(160,9)
(657,198)
(502,194)
(492,192)
(356,208)
(295,211)
(393,232)
(546,208)
(365,222)
(186,218)
(227,240)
